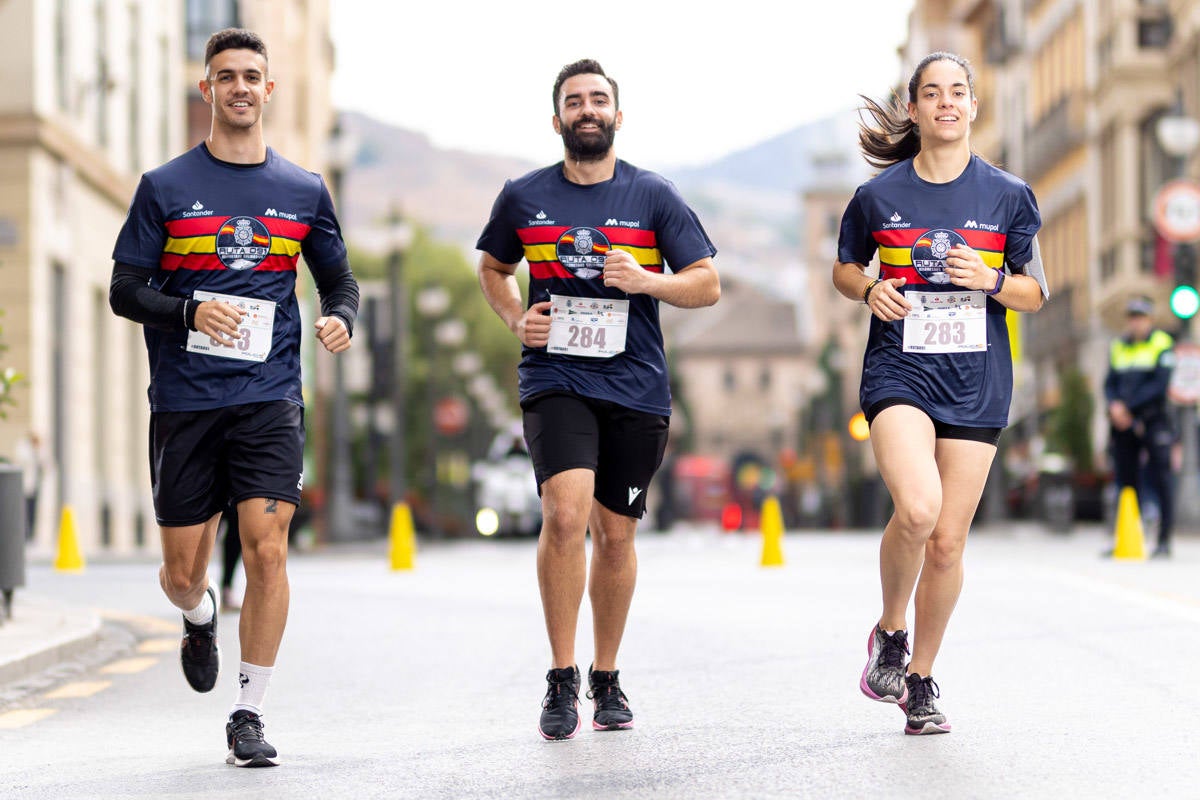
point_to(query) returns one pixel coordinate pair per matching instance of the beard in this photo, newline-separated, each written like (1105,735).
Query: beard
(591,146)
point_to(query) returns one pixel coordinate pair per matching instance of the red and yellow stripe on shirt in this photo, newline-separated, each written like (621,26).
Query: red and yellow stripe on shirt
(541,248)
(895,250)
(192,244)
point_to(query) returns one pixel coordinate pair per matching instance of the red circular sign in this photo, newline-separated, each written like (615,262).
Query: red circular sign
(450,415)
(1177,211)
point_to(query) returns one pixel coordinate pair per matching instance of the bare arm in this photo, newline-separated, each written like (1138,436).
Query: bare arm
(499,284)
(694,286)
(1018,292)
(883,296)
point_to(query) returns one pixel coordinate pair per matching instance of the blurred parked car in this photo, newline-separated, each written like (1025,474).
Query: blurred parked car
(506,497)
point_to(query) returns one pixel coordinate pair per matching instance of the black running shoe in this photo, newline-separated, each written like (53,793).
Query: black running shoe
(883,676)
(247,747)
(923,715)
(560,708)
(198,652)
(612,706)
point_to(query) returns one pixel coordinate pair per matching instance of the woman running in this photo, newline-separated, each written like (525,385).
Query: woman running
(957,248)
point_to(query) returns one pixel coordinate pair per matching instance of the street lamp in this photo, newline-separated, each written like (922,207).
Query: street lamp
(337,472)
(399,235)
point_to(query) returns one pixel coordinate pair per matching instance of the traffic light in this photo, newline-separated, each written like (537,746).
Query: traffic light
(1185,300)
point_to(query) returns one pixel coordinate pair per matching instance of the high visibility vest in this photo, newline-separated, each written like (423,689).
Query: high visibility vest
(1126,356)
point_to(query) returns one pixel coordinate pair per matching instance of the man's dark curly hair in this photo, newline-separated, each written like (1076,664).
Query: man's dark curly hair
(584,66)
(233,39)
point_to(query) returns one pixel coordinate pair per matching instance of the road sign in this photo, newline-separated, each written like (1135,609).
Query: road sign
(1185,378)
(1177,211)
(450,415)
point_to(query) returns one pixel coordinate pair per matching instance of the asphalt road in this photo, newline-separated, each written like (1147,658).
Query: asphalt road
(1064,675)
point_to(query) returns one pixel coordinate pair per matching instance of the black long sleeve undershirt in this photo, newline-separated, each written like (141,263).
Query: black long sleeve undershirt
(130,296)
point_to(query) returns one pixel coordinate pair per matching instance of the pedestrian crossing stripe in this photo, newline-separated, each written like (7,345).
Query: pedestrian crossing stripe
(22,717)
(78,689)
(128,666)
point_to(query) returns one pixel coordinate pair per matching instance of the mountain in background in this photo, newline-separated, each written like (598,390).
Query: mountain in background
(749,200)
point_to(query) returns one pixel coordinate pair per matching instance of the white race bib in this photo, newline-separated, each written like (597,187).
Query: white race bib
(254,331)
(946,322)
(587,326)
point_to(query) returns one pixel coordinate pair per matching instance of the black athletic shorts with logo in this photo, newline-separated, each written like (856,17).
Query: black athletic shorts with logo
(622,446)
(202,460)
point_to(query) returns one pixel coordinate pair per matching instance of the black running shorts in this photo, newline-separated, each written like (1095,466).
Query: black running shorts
(202,460)
(941,430)
(623,447)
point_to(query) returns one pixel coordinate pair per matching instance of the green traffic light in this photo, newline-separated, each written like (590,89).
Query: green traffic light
(1185,301)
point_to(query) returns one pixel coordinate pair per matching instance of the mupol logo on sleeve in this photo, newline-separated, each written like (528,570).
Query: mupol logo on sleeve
(930,251)
(582,251)
(243,242)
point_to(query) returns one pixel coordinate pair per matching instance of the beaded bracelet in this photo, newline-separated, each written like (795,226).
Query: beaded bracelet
(867,291)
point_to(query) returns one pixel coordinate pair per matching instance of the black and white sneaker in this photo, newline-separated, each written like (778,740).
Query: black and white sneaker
(612,706)
(560,707)
(923,715)
(247,747)
(198,654)
(883,676)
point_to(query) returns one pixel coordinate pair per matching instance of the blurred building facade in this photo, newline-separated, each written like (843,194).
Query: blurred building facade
(91,100)
(98,91)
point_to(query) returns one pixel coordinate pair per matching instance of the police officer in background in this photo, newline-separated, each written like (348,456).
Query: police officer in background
(1139,370)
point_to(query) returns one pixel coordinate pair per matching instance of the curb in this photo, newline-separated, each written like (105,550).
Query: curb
(42,634)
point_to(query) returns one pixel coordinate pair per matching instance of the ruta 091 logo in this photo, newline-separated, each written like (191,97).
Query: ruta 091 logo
(929,253)
(582,251)
(243,242)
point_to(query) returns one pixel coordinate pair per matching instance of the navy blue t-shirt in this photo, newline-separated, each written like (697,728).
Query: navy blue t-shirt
(198,223)
(544,218)
(912,222)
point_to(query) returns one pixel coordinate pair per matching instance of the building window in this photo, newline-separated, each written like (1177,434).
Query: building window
(61,80)
(1154,26)
(135,70)
(102,77)
(1108,263)
(206,17)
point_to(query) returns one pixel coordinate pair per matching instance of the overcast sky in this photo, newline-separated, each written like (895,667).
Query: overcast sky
(697,79)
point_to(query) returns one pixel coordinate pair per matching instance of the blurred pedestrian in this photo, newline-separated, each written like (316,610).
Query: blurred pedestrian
(206,261)
(1141,433)
(957,246)
(31,457)
(597,233)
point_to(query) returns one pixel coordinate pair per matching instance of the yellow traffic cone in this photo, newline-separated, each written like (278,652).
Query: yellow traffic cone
(69,558)
(772,533)
(402,541)
(1131,539)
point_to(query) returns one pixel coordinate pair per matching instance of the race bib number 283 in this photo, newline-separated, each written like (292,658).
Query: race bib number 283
(945,322)
(254,333)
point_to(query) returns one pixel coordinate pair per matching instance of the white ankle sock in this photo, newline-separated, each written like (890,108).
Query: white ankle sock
(203,613)
(252,687)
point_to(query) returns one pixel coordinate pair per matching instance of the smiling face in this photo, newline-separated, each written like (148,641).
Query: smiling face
(587,118)
(945,106)
(237,88)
